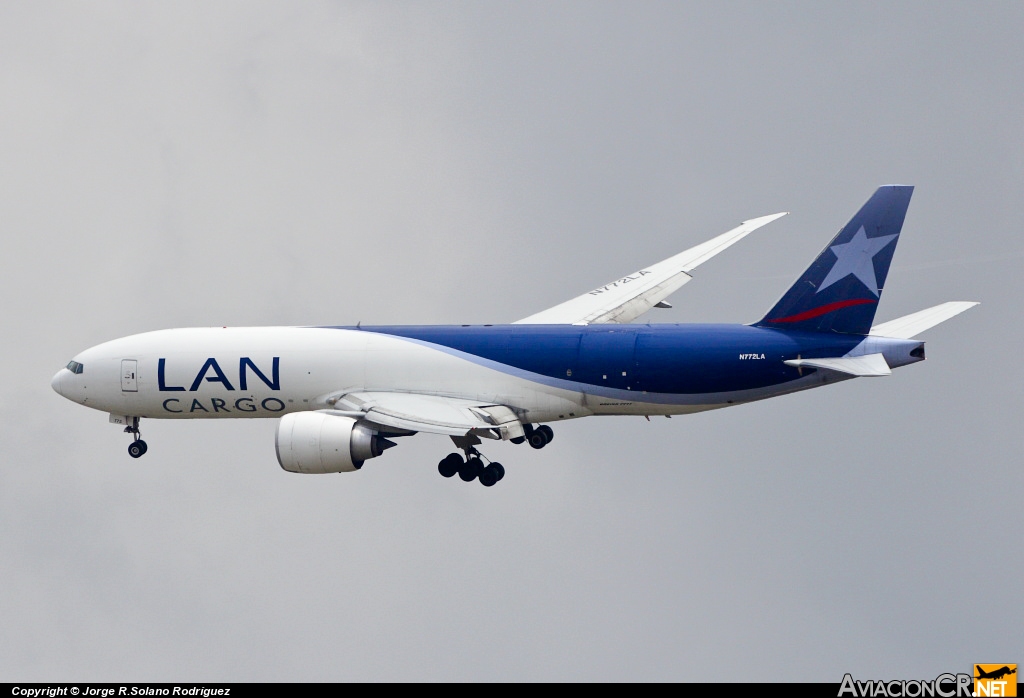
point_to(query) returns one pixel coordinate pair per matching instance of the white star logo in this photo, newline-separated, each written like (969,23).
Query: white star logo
(856,257)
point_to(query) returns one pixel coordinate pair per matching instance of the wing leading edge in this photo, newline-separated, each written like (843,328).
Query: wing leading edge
(626,299)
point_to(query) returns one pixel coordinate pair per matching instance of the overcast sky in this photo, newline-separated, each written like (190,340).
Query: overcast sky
(176,164)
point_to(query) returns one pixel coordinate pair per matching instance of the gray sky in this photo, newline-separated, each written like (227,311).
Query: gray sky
(183,164)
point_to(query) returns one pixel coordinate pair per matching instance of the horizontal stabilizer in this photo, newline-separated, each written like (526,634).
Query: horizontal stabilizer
(909,326)
(863,366)
(626,299)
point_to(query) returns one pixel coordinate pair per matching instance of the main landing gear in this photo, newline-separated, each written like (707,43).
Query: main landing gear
(137,448)
(472,467)
(539,437)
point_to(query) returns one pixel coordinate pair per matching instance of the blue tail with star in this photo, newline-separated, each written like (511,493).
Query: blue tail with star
(840,291)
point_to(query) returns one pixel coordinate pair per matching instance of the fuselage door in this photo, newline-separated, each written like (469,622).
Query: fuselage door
(607,357)
(129,376)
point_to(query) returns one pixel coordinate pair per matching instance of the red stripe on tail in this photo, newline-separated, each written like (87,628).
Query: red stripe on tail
(822,310)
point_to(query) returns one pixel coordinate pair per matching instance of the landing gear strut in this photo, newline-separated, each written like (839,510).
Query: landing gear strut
(137,448)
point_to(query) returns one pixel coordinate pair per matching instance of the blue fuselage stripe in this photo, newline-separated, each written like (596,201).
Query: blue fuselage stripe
(666,359)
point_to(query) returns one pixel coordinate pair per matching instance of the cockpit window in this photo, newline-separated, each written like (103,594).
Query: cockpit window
(75,367)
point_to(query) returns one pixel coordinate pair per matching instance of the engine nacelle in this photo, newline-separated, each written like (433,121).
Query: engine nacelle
(316,442)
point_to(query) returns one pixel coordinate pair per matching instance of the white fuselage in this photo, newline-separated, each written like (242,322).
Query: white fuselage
(261,372)
(210,373)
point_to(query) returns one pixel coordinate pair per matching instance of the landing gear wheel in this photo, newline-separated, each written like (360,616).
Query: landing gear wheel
(449,465)
(540,436)
(469,470)
(492,474)
(518,440)
(137,449)
(489,475)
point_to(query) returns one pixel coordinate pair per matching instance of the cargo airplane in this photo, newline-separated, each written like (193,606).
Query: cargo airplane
(343,395)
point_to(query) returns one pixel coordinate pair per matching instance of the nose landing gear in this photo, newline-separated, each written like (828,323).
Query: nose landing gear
(137,448)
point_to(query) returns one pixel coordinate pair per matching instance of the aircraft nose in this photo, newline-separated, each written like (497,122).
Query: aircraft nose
(58,379)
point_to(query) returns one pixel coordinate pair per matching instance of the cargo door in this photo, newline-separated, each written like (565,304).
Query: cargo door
(607,357)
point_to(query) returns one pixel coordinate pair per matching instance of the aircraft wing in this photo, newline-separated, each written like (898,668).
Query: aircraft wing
(431,414)
(626,299)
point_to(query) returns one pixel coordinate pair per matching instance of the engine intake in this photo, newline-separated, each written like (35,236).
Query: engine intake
(315,442)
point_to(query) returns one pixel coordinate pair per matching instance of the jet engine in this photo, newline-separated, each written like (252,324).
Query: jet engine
(317,442)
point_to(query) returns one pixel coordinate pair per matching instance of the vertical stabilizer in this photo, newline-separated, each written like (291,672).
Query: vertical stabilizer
(840,291)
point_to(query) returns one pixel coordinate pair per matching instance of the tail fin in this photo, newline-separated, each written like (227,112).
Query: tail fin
(840,291)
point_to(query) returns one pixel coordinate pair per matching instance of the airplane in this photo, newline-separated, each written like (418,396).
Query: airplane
(995,674)
(342,395)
